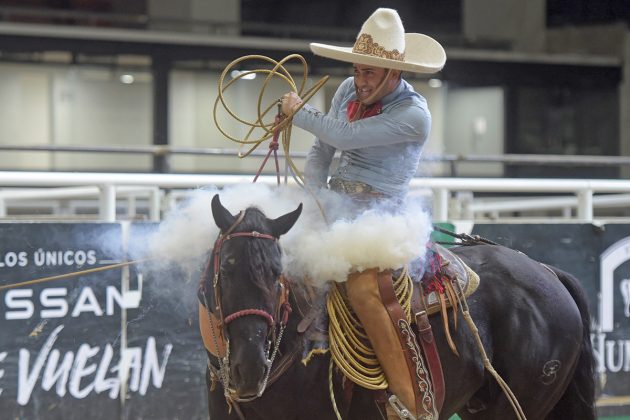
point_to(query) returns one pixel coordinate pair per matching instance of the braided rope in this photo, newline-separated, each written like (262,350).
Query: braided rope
(350,347)
(331,390)
(247,312)
(270,128)
(518,411)
(278,126)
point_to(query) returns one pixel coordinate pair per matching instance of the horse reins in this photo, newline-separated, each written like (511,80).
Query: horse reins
(280,319)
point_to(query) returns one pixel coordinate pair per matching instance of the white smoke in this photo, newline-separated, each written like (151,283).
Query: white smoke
(353,240)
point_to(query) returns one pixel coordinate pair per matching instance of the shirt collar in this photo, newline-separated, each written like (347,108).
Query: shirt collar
(394,94)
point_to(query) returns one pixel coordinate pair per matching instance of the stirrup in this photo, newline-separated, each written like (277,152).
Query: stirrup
(402,411)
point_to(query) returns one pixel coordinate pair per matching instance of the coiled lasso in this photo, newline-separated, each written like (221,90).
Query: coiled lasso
(272,128)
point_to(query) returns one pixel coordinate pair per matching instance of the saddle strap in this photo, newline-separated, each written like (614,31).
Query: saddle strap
(429,346)
(432,357)
(423,394)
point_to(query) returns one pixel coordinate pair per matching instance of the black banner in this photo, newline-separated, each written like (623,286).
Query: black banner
(119,343)
(57,338)
(123,343)
(168,317)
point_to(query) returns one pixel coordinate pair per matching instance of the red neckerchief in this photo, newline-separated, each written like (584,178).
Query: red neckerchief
(366,111)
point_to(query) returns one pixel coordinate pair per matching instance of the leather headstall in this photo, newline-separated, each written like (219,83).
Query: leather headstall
(283,308)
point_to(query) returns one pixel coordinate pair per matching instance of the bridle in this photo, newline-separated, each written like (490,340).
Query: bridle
(282,311)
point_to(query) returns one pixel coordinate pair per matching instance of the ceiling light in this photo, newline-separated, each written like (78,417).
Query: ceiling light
(126,79)
(435,83)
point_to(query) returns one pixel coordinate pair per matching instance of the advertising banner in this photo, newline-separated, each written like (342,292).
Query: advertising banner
(123,342)
(112,344)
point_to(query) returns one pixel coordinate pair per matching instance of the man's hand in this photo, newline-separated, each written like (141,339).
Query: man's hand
(290,102)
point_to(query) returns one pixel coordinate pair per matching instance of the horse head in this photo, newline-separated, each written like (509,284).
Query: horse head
(248,296)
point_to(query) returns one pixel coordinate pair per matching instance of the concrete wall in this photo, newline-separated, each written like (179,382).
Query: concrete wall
(520,24)
(624,105)
(226,12)
(90,106)
(588,39)
(70,106)
(609,40)
(193,96)
(24,115)
(476,127)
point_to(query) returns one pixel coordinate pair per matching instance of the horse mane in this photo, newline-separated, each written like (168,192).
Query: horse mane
(263,257)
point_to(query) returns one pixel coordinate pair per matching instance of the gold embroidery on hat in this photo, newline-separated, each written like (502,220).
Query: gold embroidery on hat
(365,45)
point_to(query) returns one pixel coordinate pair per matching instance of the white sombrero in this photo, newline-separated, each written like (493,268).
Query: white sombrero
(382,42)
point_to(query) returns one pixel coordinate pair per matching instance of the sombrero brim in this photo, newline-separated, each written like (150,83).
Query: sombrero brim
(423,54)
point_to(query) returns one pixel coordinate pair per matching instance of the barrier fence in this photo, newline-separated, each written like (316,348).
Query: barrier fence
(451,160)
(450,198)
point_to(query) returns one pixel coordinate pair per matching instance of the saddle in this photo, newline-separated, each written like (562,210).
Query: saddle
(445,282)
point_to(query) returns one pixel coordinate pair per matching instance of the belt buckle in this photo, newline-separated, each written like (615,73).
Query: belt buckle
(359,188)
(350,187)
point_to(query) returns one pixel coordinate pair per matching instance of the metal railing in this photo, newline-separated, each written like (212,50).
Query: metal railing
(107,196)
(450,159)
(583,195)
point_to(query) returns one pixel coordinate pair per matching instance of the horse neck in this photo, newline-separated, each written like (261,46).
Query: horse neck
(303,300)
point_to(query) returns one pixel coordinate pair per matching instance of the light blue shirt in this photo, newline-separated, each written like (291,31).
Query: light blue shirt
(382,151)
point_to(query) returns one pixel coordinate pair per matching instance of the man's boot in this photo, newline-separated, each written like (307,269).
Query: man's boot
(365,298)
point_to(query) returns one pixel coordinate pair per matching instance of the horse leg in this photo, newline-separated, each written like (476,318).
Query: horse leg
(491,403)
(538,382)
(578,401)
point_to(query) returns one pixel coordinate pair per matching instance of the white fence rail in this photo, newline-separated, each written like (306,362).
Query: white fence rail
(452,198)
(582,190)
(151,193)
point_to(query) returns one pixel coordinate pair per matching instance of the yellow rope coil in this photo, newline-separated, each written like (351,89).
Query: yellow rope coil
(350,347)
(269,127)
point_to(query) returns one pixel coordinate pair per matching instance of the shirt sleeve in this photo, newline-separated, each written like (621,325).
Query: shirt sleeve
(404,121)
(318,162)
(320,155)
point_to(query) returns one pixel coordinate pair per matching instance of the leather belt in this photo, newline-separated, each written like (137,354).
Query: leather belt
(353,187)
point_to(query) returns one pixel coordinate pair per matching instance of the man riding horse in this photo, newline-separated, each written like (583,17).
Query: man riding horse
(380,125)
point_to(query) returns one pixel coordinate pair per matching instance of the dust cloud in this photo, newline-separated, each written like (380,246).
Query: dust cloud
(353,238)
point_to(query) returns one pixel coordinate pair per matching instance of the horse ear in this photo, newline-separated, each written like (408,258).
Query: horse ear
(222,217)
(282,224)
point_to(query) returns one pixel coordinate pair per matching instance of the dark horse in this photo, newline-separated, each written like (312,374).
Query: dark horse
(533,322)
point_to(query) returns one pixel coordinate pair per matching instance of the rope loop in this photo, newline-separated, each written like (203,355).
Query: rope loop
(350,348)
(270,127)
(286,307)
